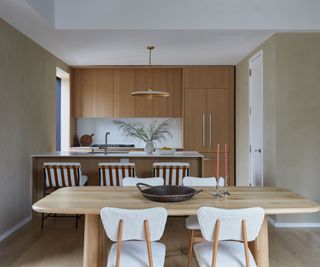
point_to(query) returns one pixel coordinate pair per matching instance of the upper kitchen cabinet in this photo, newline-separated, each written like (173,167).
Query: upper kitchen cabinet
(82,92)
(143,80)
(123,87)
(102,93)
(160,83)
(194,77)
(106,92)
(218,77)
(93,93)
(175,90)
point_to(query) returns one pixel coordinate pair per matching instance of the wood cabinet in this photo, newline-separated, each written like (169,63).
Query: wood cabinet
(123,87)
(217,118)
(93,93)
(82,93)
(194,120)
(102,93)
(160,104)
(218,77)
(194,77)
(209,112)
(175,90)
(143,107)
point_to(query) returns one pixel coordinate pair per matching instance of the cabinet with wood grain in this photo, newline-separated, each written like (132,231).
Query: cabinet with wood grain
(209,110)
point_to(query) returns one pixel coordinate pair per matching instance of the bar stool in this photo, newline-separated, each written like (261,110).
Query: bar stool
(192,223)
(171,172)
(135,233)
(112,173)
(154,181)
(228,232)
(61,174)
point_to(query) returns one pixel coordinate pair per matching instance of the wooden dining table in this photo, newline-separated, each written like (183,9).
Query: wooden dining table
(90,200)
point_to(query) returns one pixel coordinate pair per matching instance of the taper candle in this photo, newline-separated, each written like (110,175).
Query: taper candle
(225,160)
(218,161)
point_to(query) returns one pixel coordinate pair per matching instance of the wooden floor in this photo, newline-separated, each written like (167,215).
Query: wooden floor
(61,245)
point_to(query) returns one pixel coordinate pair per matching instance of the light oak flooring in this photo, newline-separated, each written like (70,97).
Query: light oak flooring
(61,245)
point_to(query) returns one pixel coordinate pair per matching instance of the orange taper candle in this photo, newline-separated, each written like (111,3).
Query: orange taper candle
(218,161)
(225,160)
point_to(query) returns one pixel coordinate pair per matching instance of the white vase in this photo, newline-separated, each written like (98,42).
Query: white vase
(149,148)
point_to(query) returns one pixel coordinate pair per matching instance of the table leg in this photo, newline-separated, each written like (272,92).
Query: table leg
(91,252)
(260,247)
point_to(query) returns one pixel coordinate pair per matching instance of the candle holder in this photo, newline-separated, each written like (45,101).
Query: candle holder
(217,194)
(226,190)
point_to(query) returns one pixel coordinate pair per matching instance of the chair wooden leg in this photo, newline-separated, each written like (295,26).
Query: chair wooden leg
(190,250)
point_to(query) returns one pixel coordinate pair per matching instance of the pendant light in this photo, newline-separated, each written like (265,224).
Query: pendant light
(150,93)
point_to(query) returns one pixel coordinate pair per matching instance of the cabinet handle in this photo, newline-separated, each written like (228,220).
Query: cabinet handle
(210,130)
(203,130)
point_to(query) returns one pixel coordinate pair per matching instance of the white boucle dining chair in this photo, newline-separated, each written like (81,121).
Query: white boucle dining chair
(192,223)
(135,233)
(112,173)
(61,174)
(171,172)
(154,181)
(228,232)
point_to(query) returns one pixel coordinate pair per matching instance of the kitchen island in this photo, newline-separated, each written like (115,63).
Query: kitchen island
(89,164)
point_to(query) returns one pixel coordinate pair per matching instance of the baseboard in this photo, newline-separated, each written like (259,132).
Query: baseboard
(293,225)
(15,228)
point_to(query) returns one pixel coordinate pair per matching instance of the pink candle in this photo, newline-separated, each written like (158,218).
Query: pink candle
(225,160)
(218,161)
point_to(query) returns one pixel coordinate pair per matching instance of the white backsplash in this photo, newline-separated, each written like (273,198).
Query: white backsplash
(99,126)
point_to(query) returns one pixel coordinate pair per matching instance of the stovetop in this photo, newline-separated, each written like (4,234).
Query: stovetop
(112,145)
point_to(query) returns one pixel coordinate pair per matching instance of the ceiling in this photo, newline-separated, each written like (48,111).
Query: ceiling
(187,32)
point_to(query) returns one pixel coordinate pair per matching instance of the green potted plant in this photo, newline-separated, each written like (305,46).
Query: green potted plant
(154,132)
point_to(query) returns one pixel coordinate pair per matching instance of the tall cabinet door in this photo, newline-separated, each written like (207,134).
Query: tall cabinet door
(143,107)
(217,118)
(195,119)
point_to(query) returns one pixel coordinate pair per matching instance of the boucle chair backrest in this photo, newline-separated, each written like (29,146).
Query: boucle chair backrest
(112,173)
(62,174)
(129,181)
(199,181)
(133,223)
(230,222)
(172,172)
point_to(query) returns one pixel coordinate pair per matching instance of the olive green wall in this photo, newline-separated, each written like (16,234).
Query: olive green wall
(291,124)
(27,118)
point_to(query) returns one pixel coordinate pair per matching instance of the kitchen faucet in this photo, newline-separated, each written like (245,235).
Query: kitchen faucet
(106,142)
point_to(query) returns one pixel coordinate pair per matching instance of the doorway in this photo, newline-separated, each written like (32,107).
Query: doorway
(256,120)
(58,114)
(62,110)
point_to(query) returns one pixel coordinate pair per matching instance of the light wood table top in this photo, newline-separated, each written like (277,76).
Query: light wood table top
(90,200)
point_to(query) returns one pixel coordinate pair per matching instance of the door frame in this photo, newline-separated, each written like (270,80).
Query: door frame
(251,60)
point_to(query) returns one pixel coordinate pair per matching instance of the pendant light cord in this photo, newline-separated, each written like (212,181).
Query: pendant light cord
(150,48)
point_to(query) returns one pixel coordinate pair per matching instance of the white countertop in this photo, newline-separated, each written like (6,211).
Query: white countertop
(133,154)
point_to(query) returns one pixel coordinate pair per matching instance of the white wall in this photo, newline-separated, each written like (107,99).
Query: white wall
(100,126)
